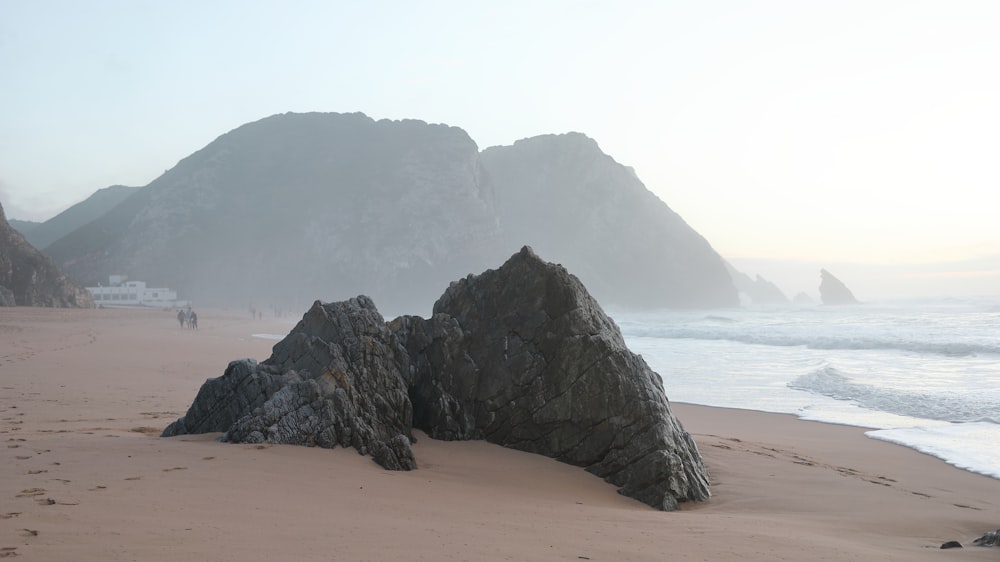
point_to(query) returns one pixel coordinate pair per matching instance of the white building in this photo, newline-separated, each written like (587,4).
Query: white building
(122,292)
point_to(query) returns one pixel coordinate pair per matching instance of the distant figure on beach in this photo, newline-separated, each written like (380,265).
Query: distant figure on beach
(193,320)
(181,317)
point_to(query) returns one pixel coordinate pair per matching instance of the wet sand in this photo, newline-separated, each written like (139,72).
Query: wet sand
(84,395)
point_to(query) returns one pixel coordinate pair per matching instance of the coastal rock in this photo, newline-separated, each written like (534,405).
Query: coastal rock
(833,291)
(524,357)
(951,544)
(992,538)
(29,278)
(335,380)
(521,356)
(755,290)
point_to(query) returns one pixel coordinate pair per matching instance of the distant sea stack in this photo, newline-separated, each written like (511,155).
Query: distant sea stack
(297,207)
(29,278)
(755,291)
(521,356)
(833,291)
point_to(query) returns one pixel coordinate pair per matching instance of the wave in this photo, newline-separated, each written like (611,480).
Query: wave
(794,338)
(951,407)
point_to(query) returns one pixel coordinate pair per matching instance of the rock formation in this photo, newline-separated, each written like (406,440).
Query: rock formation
(833,291)
(755,291)
(334,380)
(392,209)
(521,356)
(990,538)
(29,278)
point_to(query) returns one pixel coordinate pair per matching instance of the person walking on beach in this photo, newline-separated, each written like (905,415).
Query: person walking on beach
(193,320)
(181,317)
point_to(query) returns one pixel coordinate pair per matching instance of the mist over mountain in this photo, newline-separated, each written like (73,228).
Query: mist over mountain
(24,227)
(575,204)
(84,212)
(29,278)
(299,207)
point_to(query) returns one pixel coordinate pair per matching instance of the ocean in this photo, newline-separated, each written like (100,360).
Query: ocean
(923,374)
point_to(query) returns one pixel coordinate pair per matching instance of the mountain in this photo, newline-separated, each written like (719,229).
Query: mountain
(299,207)
(84,212)
(29,278)
(756,290)
(24,227)
(569,200)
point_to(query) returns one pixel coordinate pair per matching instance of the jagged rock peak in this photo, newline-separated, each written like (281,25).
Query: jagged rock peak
(335,380)
(833,291)
(521,356)
(524,357)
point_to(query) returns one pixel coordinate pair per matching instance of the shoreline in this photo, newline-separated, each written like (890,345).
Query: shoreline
(85,393)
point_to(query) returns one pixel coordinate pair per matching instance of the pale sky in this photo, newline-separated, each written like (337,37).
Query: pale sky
(829,131)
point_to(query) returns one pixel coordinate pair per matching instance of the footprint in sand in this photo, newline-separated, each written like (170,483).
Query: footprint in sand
(28,532)
(9,514)
(30,492)
(8,551)
(37,471)
(98,487)
(175,468)
(134,478)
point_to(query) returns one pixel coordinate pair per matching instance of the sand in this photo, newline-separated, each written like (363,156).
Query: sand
(84,475)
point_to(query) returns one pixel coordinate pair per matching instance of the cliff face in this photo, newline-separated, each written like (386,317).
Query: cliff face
(29,278)
(568,200)
(298,207)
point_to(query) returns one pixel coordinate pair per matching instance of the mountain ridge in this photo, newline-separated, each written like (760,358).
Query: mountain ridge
(300,206)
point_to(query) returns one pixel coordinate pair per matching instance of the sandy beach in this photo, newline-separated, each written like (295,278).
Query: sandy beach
(84,474)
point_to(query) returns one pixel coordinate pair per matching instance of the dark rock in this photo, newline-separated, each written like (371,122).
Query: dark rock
(334,380)
(7,297)
(521,356)
(991,538)
(951,544)
(29,278)
(833,291)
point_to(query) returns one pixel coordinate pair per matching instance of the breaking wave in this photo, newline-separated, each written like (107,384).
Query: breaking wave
(951,407)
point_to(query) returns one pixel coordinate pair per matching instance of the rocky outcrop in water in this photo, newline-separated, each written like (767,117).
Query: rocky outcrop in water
(521,356)
(29,278)
(755,290)
(833,291)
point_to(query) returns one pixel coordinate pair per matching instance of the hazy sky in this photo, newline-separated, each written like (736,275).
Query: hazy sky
(826,130)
